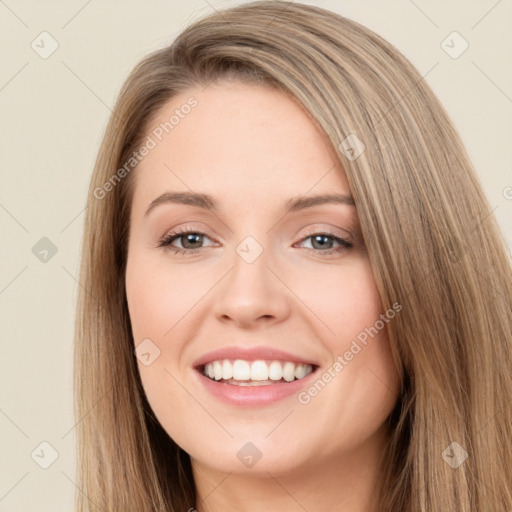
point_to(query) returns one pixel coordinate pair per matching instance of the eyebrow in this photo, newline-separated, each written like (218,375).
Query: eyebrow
(207,202)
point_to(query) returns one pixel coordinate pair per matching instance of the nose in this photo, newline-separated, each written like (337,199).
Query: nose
(252,295)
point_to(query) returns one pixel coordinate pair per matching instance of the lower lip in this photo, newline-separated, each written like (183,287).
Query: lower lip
(253,395)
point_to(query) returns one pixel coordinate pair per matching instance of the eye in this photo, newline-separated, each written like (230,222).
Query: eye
(322,240)
(190,241)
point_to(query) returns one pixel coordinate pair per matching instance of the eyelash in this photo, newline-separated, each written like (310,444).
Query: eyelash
(169,238)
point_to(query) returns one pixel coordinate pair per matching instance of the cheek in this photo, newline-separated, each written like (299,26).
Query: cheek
(157,298)
(148,303)
(362,338)
(346,300)
(361,384)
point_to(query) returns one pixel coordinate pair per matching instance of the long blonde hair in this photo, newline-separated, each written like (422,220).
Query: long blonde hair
(432,240)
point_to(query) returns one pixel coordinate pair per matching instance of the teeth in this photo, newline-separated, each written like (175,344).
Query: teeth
(217,370)
(300,371)
(275,371)
(260,371)
(288,372)
(241,370)
(227,370)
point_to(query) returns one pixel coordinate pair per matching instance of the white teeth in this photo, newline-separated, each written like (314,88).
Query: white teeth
(289,372)
(260,371)
(275,371)
(217,370)
(241,370)
(227,370)
(300,371)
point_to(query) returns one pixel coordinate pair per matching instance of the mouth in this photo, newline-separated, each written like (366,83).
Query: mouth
(241,372)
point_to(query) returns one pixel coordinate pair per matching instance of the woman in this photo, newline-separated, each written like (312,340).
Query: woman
(226,357)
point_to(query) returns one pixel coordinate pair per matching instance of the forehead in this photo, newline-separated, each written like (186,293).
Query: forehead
(248,142)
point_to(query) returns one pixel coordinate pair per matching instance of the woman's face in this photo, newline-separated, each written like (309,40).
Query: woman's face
(268,282)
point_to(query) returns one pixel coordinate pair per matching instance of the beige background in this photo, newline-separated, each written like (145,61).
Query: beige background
(54,112)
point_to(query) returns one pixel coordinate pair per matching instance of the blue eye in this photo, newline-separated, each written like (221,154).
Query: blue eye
(319,238)
(196,237)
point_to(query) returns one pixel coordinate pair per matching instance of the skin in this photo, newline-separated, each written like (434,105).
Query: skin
(252,148)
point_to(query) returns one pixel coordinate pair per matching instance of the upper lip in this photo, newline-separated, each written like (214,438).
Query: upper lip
(250,354)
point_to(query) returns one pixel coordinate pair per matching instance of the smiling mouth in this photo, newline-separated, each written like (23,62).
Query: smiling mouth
(240,372)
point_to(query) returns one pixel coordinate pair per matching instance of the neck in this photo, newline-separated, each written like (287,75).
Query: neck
(344,482)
